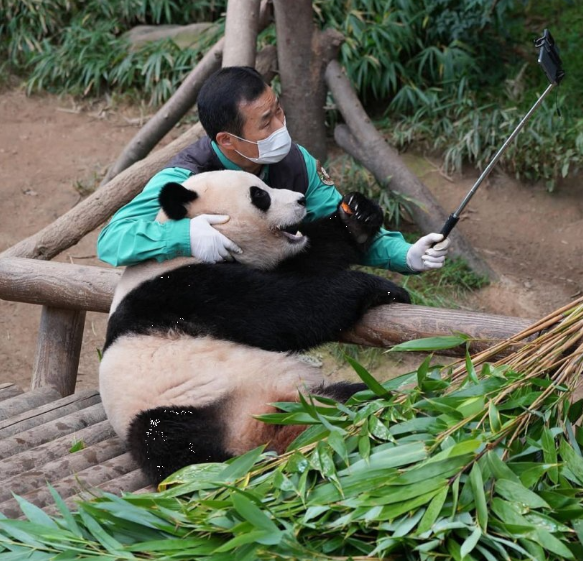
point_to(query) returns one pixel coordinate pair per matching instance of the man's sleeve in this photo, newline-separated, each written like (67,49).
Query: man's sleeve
(388,250)
(133,235)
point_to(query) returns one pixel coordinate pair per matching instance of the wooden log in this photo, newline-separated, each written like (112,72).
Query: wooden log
(67,486)
(68,464)
(418,321)
(55,449)
(389,325)
(9,390)
(60,285)
(48,412)
(26,401)
(362,141)
(51,430)
(241,27)
(58,349)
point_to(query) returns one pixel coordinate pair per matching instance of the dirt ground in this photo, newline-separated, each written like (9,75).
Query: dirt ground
(52,151)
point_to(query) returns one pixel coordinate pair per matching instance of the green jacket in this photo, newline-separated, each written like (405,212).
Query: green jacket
(133,235)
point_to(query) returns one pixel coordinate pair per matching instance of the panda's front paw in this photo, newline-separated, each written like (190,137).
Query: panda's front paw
(390,293)
(361,216)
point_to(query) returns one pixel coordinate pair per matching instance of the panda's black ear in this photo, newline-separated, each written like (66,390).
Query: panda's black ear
(260,198)
(173,199)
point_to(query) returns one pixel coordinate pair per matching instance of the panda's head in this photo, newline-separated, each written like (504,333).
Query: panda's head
(263,221)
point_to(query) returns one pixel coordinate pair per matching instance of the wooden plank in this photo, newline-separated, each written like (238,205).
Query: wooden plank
(50,411)
(68,486)
(8,391)
(58,349)
(91,288)
(36,457)
(27,401)
(65,465)
(386,326)
(61,285)
(51,430)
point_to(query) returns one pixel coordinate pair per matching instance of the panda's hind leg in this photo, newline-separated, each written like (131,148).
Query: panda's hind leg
(165,439)
(340,391)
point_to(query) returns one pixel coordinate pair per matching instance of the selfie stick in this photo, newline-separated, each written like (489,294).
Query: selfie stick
(551,63)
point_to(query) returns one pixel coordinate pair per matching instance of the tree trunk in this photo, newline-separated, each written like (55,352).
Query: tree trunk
(303,53)
(241,33)
(363,142)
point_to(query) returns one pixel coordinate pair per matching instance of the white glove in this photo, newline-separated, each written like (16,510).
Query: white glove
(424,255)
(207,243)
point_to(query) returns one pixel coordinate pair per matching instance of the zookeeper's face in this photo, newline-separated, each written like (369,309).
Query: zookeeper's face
(261,117)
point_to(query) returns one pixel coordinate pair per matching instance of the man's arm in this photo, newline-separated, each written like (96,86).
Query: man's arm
(133,235)
(388,250)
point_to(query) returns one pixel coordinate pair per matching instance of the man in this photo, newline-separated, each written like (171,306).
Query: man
(246,131)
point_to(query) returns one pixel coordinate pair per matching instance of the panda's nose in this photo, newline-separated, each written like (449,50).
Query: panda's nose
(302,201)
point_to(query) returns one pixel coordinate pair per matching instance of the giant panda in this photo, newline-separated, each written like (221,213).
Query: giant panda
(193,350)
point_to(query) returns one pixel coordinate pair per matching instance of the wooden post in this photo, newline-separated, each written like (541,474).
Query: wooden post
(58,349)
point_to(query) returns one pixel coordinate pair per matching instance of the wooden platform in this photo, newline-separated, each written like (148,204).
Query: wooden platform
(38,429)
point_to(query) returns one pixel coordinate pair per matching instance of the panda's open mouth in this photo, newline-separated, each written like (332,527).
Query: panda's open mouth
(291,233)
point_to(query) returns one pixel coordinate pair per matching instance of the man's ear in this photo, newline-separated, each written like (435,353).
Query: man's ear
(174,199)
(224,140)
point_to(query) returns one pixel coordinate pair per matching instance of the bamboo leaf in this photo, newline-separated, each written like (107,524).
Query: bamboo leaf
(429,344)
(517,493)
(241,465)
(572,460)
(367,378)
(433,511)
(470,542)
(479,496)
(255,516)
(550,454)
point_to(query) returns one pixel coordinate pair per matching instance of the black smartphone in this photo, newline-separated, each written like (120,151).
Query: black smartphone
(548,57)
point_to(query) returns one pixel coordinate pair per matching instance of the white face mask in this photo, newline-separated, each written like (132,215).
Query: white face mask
(272,149)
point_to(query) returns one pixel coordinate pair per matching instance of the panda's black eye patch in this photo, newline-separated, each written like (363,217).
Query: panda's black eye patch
(260,198)
(173,199)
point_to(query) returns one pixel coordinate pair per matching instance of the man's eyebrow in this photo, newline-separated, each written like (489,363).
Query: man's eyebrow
(267,115)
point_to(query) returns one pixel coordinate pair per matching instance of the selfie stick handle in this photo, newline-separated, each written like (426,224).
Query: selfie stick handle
(455,216)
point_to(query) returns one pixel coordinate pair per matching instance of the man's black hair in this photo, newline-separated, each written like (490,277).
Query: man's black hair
(221,94)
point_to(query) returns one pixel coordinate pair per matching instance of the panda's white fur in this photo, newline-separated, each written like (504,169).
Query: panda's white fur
(143,372)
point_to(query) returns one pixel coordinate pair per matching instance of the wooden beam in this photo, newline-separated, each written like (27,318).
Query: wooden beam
(37,456)
(60,285)
(58,349)
(49,412)
(26,401)
(389,325)
(64,426)
(91,288)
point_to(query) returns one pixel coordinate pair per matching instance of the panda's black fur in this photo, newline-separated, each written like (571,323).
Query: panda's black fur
(309,299)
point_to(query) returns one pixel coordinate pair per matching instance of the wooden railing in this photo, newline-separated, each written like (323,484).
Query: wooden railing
(66,292)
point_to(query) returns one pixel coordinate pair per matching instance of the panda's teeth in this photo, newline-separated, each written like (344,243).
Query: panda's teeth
(298,234)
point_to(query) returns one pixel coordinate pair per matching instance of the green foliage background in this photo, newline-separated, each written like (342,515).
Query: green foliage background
(455,75)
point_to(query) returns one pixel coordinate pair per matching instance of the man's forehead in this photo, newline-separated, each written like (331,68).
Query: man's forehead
(262,105)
